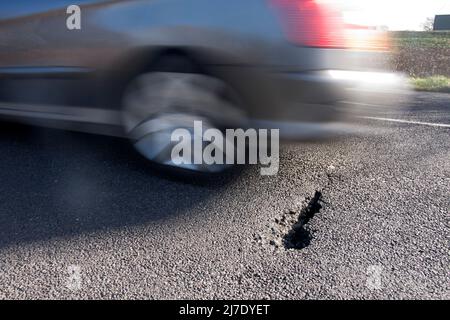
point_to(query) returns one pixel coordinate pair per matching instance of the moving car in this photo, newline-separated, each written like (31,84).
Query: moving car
(140,68)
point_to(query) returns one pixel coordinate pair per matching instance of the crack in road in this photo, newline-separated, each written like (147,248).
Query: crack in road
(291,230)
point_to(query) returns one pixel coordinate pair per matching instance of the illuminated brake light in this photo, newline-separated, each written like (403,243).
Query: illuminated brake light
(311,23)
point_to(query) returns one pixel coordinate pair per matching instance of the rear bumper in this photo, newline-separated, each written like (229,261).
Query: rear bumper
(348,79)
(323,103)
(315,96)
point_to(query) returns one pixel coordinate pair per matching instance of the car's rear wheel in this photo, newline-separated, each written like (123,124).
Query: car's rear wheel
(159,102)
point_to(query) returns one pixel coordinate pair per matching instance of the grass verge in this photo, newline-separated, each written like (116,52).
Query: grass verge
(433,83)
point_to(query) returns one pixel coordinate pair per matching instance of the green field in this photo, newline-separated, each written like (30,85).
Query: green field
(433,83)
(416,39)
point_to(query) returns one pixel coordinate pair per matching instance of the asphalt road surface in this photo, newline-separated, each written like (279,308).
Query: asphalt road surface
(83,216)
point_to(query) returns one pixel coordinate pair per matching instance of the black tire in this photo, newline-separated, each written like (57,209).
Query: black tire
(172,96)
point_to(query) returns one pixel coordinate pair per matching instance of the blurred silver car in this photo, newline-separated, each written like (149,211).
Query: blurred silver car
(140,68)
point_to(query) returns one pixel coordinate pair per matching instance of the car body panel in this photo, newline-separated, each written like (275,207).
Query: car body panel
(43,64)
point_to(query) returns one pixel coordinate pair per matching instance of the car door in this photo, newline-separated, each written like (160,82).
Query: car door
(42,61)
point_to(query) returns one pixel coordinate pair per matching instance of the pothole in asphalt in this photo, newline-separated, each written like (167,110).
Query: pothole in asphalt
(300,236)
(291,229)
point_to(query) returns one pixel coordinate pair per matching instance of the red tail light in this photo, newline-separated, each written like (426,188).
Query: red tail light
(311,23)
